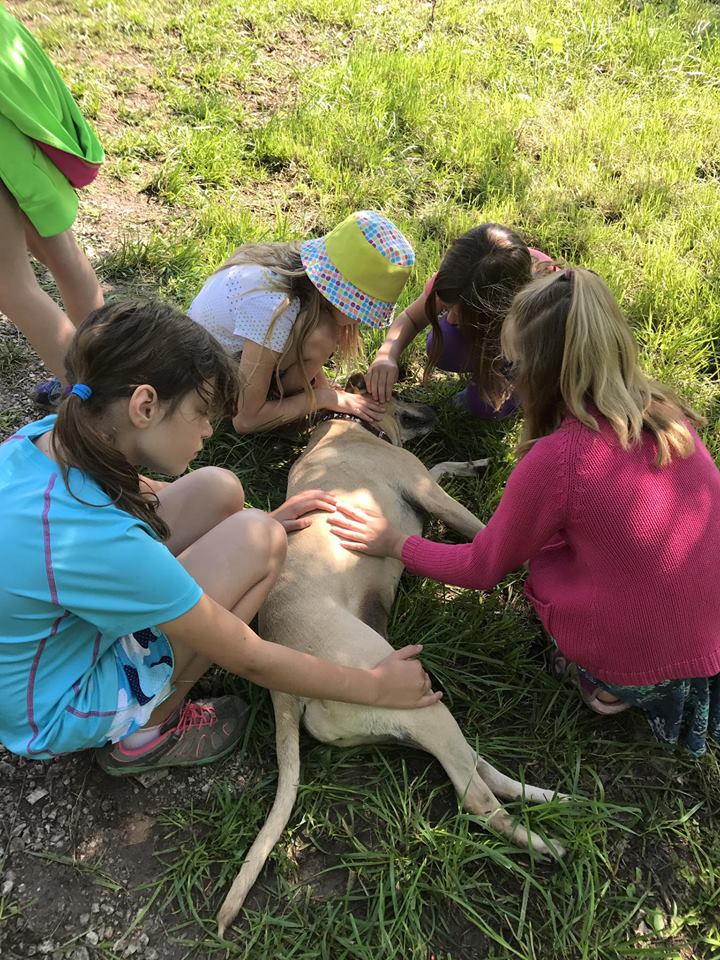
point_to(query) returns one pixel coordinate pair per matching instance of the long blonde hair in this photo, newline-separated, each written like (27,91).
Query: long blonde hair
(288,276)
(570,347)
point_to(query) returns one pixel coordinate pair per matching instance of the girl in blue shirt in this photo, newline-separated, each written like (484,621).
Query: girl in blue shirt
(117,593)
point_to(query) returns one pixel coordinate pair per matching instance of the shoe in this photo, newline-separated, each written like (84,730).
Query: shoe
(198,733)
(561,668)
(48,394)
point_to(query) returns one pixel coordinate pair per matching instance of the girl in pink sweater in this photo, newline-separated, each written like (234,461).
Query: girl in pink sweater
(614,506)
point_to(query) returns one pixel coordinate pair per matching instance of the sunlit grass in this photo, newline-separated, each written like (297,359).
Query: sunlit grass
(592,128)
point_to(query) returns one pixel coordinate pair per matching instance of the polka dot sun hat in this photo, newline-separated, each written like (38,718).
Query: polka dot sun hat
(361,266)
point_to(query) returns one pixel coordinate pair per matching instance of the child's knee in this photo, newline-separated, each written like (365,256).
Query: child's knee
(278,542)
(223,489)
(265,535)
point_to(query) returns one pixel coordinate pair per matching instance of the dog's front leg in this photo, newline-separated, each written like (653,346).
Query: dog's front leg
(457,468)
(429,496)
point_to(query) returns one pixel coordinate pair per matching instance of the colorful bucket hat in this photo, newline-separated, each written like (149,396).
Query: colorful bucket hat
(361,266)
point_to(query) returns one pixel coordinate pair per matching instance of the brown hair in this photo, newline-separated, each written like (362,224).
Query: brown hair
(288,276)
(117,348)
(479,275)
(571,346)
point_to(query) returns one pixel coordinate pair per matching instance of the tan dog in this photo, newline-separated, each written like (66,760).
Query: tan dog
(335,604)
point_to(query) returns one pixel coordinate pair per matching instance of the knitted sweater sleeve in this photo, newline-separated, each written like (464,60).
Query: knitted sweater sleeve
(532,510)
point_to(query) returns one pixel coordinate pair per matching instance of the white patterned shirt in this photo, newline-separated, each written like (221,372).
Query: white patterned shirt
(238,304)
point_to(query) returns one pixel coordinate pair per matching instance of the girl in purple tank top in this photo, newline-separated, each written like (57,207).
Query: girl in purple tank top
(464,304)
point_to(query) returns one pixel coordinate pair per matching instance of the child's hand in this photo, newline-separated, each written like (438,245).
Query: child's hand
(365,531)
(292,513)
(402,682)
(358,404)
(382,375)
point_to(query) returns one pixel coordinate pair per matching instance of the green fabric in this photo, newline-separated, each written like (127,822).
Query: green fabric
(41,190)
(362,265)
(34,97)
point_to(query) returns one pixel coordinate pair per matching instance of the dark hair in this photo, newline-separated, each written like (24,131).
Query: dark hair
(480,274)
(117,348)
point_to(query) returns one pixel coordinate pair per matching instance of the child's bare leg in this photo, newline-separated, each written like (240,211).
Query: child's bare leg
(22,300)
(197,502)
(236,562)
(75,278)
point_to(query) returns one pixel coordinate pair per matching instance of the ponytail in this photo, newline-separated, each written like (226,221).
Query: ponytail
(572,348)
(117,348)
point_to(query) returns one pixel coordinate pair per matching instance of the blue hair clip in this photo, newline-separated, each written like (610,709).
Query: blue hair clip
(82,390)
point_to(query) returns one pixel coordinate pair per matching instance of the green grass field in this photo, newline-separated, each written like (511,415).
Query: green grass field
(592,127)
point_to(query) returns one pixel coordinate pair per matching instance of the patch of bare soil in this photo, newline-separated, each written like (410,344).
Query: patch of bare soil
(76,846)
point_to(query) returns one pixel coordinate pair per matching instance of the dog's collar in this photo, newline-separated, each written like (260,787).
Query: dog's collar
(336,415)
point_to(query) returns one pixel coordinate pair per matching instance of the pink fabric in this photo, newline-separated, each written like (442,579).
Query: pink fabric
(78,171)
(623,556)
(427,289)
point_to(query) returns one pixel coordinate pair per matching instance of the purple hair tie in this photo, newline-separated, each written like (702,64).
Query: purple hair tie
(567,274)
(82,390)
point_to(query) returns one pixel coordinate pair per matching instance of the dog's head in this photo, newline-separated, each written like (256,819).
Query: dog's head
(402,421)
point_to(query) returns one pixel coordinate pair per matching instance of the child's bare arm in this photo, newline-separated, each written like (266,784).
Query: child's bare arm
(255,411)
(383,372)
(214,632)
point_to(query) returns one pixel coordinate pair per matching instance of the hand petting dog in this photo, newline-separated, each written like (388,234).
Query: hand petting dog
(366,531)
(292,513)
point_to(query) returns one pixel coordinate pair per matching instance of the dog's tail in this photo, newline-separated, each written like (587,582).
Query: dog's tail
(287,743)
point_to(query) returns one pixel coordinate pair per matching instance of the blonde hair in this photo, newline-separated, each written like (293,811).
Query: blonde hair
(288,276)
(571,346)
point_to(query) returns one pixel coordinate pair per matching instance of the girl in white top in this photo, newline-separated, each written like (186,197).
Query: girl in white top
(283,309)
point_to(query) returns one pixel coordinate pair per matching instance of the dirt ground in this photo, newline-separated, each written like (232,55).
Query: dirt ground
(89,841)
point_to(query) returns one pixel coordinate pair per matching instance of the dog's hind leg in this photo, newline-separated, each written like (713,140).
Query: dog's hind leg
(507,787)
(287,740)
(434,729)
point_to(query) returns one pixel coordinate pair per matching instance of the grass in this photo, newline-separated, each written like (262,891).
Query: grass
(592,128)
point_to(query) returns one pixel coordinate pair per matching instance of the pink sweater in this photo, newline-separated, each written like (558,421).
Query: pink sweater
(623,556)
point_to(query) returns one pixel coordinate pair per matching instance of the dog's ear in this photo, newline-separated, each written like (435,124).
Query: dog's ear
(356,384)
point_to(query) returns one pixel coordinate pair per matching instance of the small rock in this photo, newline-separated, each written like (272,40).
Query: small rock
(79,953)
(38,794)
(152,777)
(95,908)
(92,937)
(84,919)
(47,946)
(7,888)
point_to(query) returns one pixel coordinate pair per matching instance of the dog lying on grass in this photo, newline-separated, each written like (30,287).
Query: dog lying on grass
(335,604)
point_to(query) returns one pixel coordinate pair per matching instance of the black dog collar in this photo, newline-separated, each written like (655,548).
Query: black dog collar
(336,415)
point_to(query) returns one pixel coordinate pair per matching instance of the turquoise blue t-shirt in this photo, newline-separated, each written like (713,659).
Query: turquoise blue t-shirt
(74,577)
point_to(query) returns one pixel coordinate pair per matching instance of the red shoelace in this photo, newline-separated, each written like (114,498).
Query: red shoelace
(195,715)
